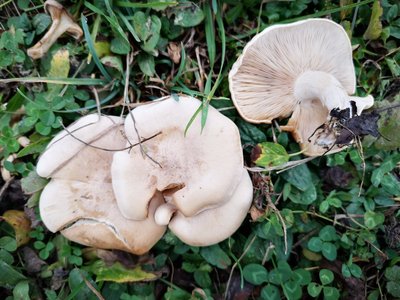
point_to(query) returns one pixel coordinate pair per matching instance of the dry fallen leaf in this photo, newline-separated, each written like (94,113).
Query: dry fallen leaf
(174,52)
(21,225)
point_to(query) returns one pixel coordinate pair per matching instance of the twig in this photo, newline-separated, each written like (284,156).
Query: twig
(284,167)
(236,263)
(270,247)
(5,187)
(96,97)
(92,288)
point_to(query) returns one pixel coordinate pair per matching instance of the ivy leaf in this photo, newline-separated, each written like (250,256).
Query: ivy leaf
(374,29)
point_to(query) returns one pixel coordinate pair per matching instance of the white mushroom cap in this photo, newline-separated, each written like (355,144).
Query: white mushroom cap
(62,23)
(79,199)
(300,64)
(194,172)
(214,225)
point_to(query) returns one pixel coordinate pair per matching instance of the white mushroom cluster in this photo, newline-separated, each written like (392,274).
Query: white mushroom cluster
(302,70)
(113,187)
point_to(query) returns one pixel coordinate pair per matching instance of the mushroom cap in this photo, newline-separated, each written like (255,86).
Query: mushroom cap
(194,172)
(79,199)
(214,225)
(262,79)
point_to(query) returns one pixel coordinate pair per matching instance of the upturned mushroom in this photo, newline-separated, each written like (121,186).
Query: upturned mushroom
(62,22)
(303,70)
(79,200)
(199,174)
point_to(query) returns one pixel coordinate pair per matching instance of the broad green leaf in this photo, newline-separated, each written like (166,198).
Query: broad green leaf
(113,62)
(391,184)
(146,64)
(326,276)
(324,206)
(255,274)
(389,125)
(102,48)
(21,225)
(119,273)
(329,250)
(393,288)
(33,183)
(148,29)
(374,29)
(270,154)
(21,291)
(215,256)
(314,289)
(393,273)
(301,276)
(355,270)
(41,22)
(250,134)
(8,275)
(8,243)
(299,176)
(120,46)
(373,219)
(33,148)
(79,288)
(346,271)
(189,14)
(270,292)
(202,278)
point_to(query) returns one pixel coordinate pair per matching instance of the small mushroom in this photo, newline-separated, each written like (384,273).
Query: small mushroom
(62,22)
(302,70)
(195,172)
(213,225)
(79,200)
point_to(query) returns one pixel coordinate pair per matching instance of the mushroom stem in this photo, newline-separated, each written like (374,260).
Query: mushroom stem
(313,85)
(164,214)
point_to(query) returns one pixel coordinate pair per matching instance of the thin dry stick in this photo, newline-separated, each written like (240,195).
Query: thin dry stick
(284,167)
(272,205)
(361,152)
(5,187)
(92,288)
(96,97)
(270,247)
(236,263)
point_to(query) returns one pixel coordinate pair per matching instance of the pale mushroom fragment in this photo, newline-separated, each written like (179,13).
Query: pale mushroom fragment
(62,22)
(304,68)
(195,172)
(79,200)
(213,225)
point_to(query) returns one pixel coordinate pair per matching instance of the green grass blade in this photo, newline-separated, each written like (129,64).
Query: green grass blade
(68,81)
(145,5)
(129,26)
(210,34)
(92,51)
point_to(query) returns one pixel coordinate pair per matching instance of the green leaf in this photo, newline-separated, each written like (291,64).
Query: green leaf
(393,273)
(8,275)
(33,148)
(189,14)
(21,291)
(40,22)
(301,276)
(331,293)
(329,251)
(391,184)
(249,133)
(324,206)
(314,289)
(355,270)
(346,271)
(33,183)
(299,176)
(374,29)
(113,62)
(8,243)
(148,29)
(315,244)
(146,64)
(328,233)
(119,273)
(393,288)
(120,46)
(215,256)
(202,278)
(270,292)
(79,288)
(326,276)
(255,274)
(373,219)
(270,154)
(292,290)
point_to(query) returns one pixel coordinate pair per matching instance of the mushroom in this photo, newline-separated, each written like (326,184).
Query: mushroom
(200,174)
(213,225)
(79,200)
(196,171)
(62,22)
(303,70)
